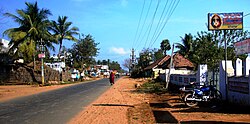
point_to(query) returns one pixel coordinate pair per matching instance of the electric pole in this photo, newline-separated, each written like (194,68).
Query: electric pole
(42,55)
(132,59)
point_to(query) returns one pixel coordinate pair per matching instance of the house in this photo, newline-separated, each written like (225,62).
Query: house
(58,66)
(154,69)
(179,63)
(161,67)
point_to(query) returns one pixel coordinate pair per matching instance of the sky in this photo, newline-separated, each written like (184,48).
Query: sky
(120,25)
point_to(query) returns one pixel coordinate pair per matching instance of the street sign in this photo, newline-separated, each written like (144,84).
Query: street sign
(41,55)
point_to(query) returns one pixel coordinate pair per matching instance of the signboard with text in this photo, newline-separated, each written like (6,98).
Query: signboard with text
(242,47)
(225,21)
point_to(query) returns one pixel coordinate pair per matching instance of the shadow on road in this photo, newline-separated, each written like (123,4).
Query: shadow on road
(164,117)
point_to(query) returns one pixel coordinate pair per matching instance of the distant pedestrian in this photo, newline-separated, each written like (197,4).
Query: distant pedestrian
(112,78)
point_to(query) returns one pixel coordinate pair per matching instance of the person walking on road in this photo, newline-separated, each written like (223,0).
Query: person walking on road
(112,78)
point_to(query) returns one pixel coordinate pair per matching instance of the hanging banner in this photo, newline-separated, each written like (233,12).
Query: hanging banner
(225,21)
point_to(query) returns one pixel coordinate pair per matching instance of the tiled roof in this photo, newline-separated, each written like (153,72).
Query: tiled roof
(179,62)
(158,62)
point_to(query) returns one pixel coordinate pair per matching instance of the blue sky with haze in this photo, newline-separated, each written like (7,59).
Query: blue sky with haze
(114,23)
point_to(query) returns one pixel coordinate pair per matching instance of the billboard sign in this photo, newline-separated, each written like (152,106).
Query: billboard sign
(242,47)
(225,21)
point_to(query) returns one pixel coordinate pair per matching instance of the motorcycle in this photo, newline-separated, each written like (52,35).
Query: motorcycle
(186,89)
(206,93)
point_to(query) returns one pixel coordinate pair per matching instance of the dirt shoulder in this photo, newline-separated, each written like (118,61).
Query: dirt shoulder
(8,92)
(13,91)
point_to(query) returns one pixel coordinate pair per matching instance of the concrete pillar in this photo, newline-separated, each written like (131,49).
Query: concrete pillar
(222,79)
(201,76)
(230,72)
(247,66)
(238,67)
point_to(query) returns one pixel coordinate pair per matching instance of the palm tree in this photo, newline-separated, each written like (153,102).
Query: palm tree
(33,23)
(165,46)
(62,31)
(186,48)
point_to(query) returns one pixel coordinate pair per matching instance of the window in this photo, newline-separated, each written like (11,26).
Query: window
(180,79)
(192,79)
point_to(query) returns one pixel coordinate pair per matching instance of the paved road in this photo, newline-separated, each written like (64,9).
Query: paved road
(53,107)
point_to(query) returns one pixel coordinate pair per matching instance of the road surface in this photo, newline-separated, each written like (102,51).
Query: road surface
(53,107)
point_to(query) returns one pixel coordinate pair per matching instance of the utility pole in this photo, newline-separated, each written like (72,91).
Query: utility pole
(132,59)
(170,67)
(42,55)
(226,78)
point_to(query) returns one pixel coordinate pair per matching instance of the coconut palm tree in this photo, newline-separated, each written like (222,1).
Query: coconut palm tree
(185,48)
(33,23)
(62,30)
(165,46)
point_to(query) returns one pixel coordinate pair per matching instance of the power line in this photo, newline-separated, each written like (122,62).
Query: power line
(144,23)
(160,20)
(139,22)
(166,21)
(165,16)
(152,21)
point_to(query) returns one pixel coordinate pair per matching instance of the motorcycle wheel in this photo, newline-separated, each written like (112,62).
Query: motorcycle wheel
(182,95)
(190,103)
(216,97)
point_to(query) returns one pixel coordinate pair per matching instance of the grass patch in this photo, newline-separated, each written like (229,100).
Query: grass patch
(152,87)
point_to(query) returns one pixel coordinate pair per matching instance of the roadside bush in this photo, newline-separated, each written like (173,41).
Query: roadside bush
(152,87)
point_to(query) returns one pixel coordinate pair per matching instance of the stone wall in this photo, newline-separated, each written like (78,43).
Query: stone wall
(26,74)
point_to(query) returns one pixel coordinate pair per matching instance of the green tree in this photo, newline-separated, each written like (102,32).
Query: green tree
(145,58)
(158,54)
(185,48)
(165,46)
(104,62)
(206,51)
(115,66)
(84,51)
(99,62)
(62,30)
(231,37)
(33,23)
(208,47)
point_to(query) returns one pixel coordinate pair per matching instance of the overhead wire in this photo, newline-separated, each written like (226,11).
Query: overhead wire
(164,20)
(152,21)
(165,16)
(160,20)
(174,7)
(138,43)
(138,23)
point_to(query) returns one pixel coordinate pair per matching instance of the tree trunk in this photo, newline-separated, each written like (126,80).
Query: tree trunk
(34,61)
(59,59)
